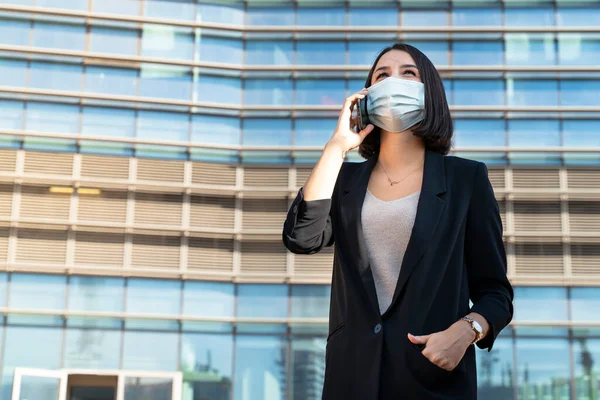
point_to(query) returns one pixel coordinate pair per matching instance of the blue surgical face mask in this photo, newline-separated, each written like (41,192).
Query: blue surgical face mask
(396,104)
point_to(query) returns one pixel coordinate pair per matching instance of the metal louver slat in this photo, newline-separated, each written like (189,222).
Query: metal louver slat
(160,170)
(583,178)
(213,174)
(263,258)
(584,216)
(531,216)
(210,254)
(8,161)
(6,197)
(157,208)
(39,202)
(212,211)
(302,175)
(108,206)
(585,259)
(263,213)
(538,259)
(99,248)
(320,263)
(4,235)
(536,178)
(266,177)
(49,163)
(104,167)
(153,251)
(496,177)
(41,246)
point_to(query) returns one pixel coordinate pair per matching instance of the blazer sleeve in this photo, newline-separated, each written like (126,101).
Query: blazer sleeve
(489,288)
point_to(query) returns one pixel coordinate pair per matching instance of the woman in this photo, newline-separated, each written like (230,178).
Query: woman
(417,235)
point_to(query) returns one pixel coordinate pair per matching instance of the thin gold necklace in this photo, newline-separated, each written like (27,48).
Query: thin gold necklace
(392,183)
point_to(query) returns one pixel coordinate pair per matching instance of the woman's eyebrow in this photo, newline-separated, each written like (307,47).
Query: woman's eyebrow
(408,66)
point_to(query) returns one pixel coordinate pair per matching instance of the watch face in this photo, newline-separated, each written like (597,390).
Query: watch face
(477,327)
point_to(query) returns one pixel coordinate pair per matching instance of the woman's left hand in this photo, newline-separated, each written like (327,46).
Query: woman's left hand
(446,348)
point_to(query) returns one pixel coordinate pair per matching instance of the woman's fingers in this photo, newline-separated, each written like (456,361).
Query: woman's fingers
(363,134)
(348,103)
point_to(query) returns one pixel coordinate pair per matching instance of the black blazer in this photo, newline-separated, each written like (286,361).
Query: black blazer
(455,254)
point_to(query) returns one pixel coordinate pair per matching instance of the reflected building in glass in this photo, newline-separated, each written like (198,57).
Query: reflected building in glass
(149,150)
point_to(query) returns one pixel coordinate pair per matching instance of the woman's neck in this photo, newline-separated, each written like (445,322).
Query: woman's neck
(400,149)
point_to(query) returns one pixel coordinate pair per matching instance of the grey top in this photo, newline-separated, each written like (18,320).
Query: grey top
(387,226)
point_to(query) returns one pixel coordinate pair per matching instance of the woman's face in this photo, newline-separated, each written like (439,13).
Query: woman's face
(398,64)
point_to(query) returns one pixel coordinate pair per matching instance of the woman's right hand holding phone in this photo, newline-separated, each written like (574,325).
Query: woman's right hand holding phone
(345,136)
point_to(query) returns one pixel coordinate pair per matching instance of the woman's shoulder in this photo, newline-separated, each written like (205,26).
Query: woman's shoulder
(460,164)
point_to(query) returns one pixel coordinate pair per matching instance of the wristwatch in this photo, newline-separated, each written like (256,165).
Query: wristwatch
(476,328)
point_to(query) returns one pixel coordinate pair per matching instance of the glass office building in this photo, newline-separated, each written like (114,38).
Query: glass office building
(149,150)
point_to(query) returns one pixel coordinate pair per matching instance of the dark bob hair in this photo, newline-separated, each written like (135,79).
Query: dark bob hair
(436,127)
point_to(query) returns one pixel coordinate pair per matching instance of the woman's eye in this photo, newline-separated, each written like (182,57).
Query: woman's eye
(409,71)
(383,74)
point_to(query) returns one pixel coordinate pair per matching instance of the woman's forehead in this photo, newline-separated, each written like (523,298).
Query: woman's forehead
(394,58)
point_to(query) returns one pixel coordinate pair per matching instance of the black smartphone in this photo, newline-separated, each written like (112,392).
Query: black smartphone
(362,114)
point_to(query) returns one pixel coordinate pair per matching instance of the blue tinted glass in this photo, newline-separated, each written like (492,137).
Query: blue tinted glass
(214,129)
(270,16)
(269,52)
(206,353)
(208,299)
(219,89)
(153,296)
(62,36)
(167,82)
(150,351)
(3,278)
(586,352)
(47,117)
(266,301)
(113,40)
(55,76)
(163,41)
(220,13)
(533,133)
(479,132)
(221,50)
(320,92)
(80,5)
(99,121)
(486,92)
(170,9)
(159,125)
(525,49)
(540,304)
(585,304)
(477,16)
(12,72)
(525,16)
(267,132)
(37,291)
(373,16)
(260,360)
(578,49)
(126,7)
(477,53)
(364,53)
(492,370)
(580,92)
(268,91)
(313,132)
(108,80)
(93,293)
(581,133)
(304,352)
(437,52)
(11,114)
(92,348)
(321,16)
(523,92)
(321,53)
(578,16)
(310,301)
(14,32)
(425,18)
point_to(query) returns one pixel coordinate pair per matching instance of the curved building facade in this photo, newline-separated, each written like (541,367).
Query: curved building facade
(149,150)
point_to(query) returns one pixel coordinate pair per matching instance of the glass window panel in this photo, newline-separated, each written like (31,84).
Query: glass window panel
(479,132)
(260,368)
(494,371)
(92,348)
(578,49)
(220,13)
(264,52)
(55,76)
(354,85)
(100,121)
(47,117)
(586,353)
(14,32)
(321,16)
(533,133)
(165,81)
(219,89)
(205,126)
(310,301)
(267,132)
(113,40)
(320,91)
(540,304)
(125,7)
(3,278)
(207,366)
(61,36)
(271,16)
(364,53)
(262,301)
(580,92)
(581,133)
(208,299)
(160,125)
(374,16)
(578,16)
(106,80)
(11,114)
(320,53)
(80,5)
(162,41)
(438,52)
(477,53)
(307,368)
(94,293)
(523,92)
(37,291)
(425,18)
(170,9)
(529,16)
(221,50)
(150,351)
(268,91)
(585,304)
(13,72)
(485,92)
(488,16)
(153,296)
(526,49)
(313,132)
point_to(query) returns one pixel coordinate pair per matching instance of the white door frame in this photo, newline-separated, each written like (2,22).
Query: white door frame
(60,375)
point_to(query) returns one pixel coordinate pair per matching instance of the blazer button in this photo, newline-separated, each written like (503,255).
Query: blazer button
(377,328)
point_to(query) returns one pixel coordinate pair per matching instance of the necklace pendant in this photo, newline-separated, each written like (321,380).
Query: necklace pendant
(392,183)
